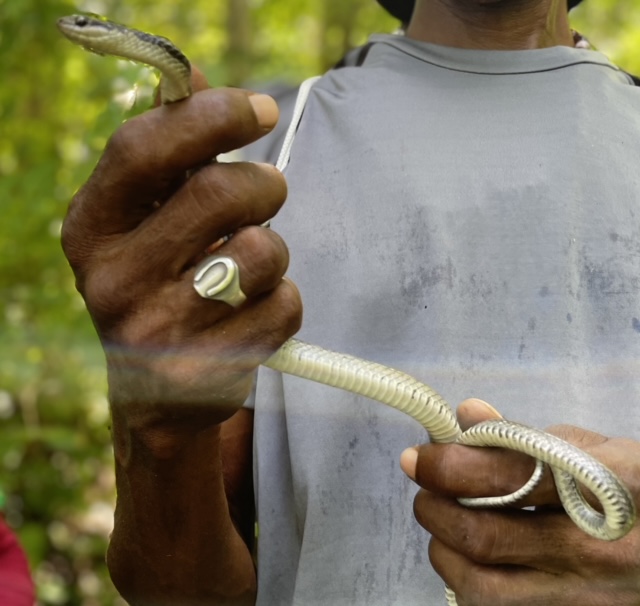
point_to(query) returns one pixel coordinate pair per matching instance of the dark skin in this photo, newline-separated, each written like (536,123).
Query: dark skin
(492,24)
(180,367)
(512,556)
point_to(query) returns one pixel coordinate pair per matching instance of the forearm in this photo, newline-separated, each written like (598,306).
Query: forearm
(174,541)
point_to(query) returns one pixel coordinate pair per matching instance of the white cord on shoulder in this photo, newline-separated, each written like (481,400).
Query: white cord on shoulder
(301,102)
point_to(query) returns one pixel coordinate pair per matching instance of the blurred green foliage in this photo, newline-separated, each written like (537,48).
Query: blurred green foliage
(58,106)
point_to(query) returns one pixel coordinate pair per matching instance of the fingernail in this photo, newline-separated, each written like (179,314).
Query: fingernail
(490,408)
(408,462)
(266,110)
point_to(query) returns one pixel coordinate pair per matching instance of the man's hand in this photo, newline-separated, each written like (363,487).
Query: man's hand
(514,556)
(179,365)
(134,233)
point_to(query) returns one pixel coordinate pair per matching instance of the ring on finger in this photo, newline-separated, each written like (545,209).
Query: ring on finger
(218,278)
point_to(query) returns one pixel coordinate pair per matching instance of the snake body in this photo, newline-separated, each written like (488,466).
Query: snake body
(394,388)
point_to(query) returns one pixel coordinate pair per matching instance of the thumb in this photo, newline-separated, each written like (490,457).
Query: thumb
(473,411)
(469,413)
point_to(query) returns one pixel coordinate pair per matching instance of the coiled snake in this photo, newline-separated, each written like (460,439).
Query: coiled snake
(569,464)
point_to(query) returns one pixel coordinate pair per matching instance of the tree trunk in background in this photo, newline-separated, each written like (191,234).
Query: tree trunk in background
(239,45)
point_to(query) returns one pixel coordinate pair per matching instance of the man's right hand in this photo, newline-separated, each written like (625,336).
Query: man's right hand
(179,365)
(133,235)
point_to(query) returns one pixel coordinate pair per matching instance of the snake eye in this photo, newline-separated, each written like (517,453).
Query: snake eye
(81,21)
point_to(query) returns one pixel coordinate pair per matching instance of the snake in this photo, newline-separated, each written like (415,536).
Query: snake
(572,468)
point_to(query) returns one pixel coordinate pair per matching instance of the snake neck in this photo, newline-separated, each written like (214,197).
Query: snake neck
(174,89)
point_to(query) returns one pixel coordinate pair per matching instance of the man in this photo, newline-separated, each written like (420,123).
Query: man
(460,206)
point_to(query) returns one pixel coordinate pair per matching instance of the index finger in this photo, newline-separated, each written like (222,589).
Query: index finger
(150,152)
(471,472)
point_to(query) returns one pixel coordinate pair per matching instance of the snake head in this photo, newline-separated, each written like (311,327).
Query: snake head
(89,31)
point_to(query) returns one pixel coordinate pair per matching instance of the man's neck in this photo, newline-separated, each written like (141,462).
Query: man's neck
(492,24)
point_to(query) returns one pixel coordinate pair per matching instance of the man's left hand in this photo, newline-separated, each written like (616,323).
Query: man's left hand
(517,556)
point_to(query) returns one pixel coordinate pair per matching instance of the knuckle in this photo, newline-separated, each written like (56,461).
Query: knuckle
(103,294)
(76,241)
(233,195)
(126,150)
(111,290)
(215,195)
(71,244)
(121,139)
(266,256)
(223,104)
(227,186)
(479,538)
(261,187)
(288,305)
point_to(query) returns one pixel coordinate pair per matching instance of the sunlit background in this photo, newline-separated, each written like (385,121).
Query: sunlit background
(58,106)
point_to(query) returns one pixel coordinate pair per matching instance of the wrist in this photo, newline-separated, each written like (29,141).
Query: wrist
(159,403)
(155,439)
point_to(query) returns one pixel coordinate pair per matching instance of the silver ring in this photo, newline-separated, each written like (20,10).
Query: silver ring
(218,278)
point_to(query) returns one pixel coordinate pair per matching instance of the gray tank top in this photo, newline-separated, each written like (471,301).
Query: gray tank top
(471,218)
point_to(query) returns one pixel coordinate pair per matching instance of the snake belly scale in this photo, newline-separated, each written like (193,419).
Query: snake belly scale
(569,464)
